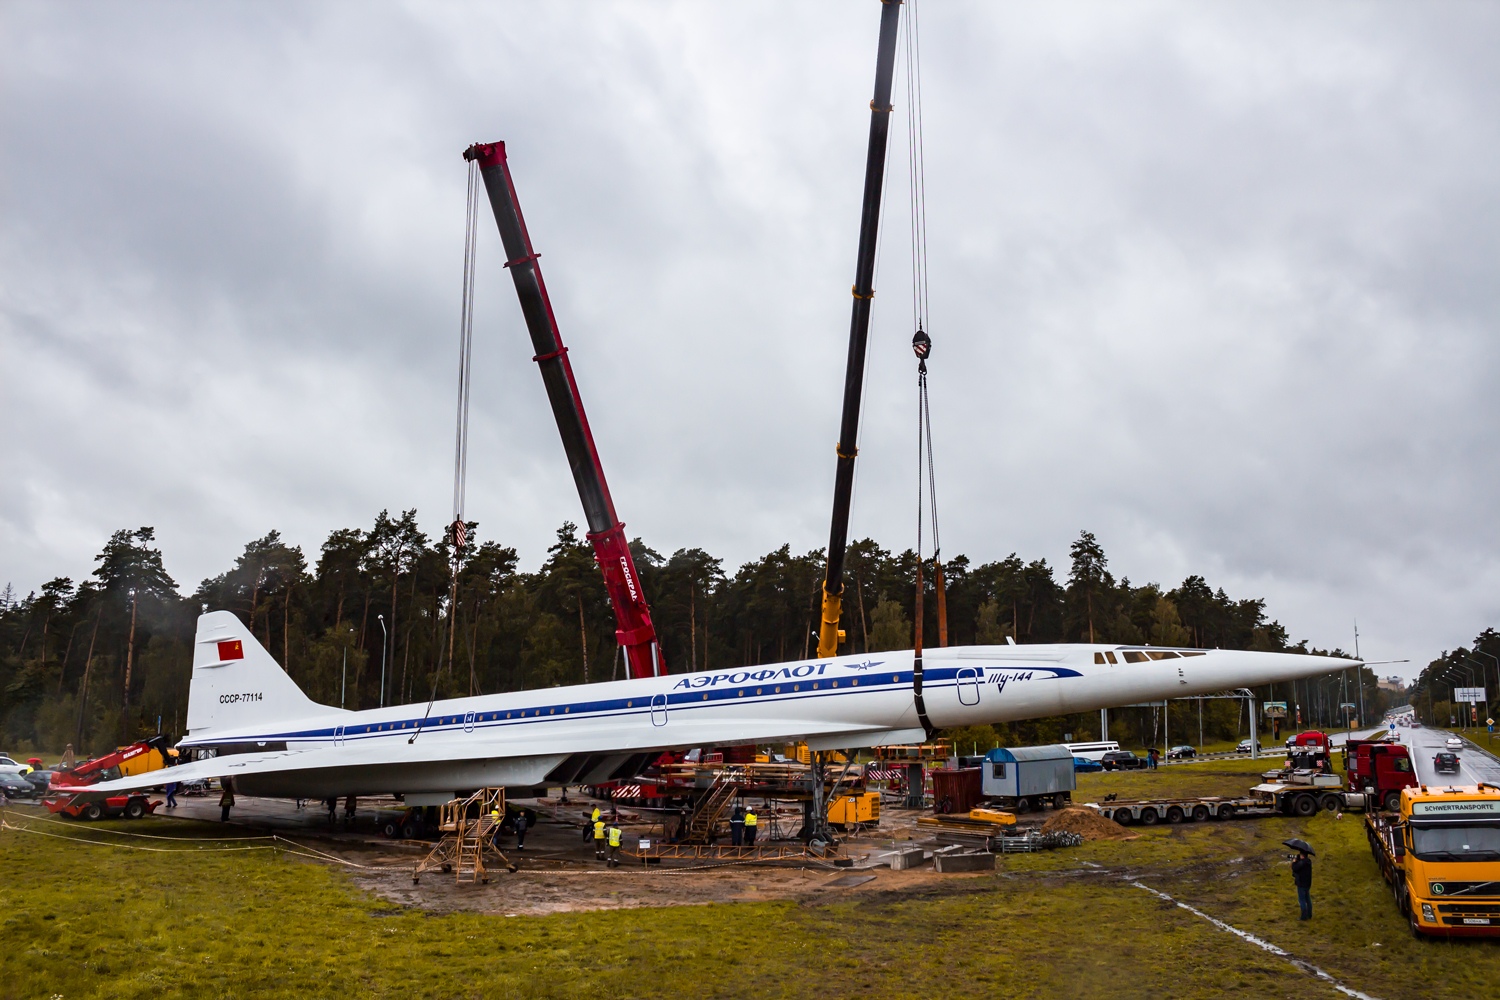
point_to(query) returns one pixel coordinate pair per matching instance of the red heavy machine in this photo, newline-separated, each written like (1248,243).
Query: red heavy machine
(634,630)
(68,793)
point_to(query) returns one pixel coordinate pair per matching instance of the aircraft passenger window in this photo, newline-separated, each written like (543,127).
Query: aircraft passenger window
(1111,657)
(1133,656)
(1098,658)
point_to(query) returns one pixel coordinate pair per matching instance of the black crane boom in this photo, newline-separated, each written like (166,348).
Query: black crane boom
(829,634)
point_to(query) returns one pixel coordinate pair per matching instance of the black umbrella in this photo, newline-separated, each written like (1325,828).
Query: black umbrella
(1298,844)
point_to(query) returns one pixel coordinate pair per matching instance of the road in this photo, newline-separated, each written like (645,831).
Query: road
(1475,764)
(1277,749)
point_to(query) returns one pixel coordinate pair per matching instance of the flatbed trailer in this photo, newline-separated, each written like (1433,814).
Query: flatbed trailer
(1377,772)
(1267,799)
(1149,812)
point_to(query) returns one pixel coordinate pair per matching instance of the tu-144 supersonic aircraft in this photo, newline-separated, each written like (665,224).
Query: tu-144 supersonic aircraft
(275,741)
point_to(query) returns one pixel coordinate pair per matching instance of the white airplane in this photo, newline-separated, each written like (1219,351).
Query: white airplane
(274,741)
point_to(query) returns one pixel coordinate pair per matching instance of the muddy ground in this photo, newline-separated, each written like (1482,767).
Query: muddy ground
(558,871)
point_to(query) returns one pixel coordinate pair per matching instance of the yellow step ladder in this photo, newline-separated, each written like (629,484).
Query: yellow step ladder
(468,833)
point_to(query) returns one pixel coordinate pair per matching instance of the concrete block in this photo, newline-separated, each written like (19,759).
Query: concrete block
(902,860)
(948,863)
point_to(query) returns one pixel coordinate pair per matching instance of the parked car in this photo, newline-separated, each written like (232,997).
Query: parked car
(1244,747)
(1122,760)
(1181,753)
(1446,762)
(16,787)
(1086,764)
(9,765)
(40,780)
(1454,743)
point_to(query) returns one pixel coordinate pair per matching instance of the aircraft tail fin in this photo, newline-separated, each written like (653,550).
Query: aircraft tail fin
(236,682)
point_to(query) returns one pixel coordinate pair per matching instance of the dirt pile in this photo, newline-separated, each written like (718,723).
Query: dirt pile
(1087,824)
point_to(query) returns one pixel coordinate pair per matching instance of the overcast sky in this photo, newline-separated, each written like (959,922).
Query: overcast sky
(1217,282)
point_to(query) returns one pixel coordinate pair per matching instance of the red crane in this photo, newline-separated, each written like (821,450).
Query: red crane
(634,631)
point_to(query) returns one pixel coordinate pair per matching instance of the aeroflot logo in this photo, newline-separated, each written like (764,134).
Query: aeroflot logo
(744,676)
(629,581)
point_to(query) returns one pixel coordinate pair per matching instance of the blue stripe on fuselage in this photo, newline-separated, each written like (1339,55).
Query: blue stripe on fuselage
(933,678)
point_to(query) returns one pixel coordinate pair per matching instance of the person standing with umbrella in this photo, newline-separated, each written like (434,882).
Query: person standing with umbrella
(1302,875)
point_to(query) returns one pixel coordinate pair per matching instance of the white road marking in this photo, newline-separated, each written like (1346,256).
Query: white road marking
(1260,943)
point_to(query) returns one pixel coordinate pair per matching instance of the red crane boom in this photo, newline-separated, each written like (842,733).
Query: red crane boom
(634,631)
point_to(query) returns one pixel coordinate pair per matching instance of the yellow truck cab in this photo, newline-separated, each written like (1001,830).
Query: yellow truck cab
(1441,855)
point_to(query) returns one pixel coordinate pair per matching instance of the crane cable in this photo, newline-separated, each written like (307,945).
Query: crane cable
(921,320)
(921,345)
(916,163)
(458,530)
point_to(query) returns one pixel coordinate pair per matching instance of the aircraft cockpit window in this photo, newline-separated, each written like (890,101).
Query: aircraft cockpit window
(1191,652)
(1133,656)
(1111,657)
(1162,654)
(1099,658)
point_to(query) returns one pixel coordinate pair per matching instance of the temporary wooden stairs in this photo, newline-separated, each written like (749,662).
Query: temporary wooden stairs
(468,833)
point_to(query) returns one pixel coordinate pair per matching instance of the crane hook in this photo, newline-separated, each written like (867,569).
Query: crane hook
(921,345)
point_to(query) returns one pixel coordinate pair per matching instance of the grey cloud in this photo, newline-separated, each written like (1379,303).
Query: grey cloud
(1217,283)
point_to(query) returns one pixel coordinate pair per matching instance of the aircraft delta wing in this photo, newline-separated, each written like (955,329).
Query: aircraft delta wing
(273,740)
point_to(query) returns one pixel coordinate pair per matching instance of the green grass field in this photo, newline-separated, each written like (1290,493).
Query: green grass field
(88,921)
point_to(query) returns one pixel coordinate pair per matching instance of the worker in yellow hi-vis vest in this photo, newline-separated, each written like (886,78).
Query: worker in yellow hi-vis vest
(495,828)
(751,823)
(599,839)
(588,828)
(614,847)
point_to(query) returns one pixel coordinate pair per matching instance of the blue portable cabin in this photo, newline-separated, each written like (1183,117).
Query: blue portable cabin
(1015,773)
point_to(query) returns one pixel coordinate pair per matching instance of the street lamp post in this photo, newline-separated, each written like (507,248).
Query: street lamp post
(1497,679)
(385,643)
(1469,677)
(1453,681)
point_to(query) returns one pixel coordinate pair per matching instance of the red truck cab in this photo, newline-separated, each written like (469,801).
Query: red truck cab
(1380,769)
